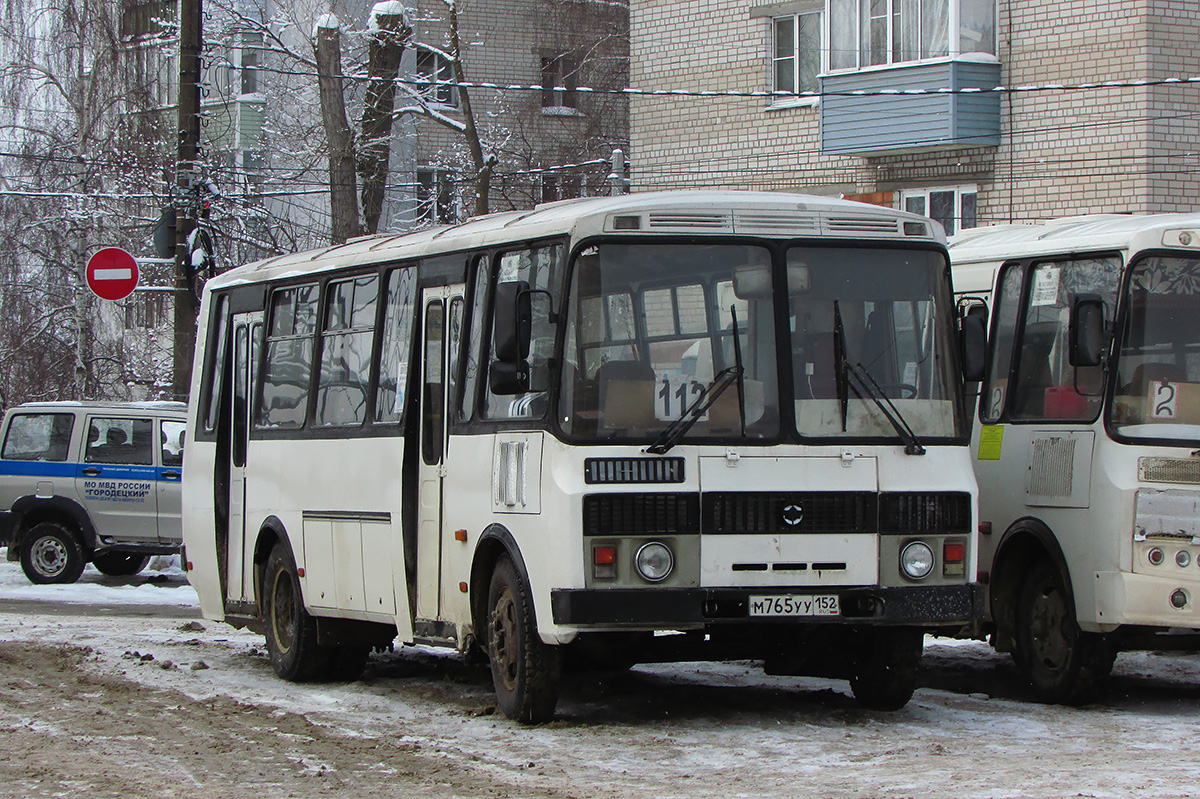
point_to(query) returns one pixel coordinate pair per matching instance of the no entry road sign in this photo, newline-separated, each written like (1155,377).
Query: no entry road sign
(112,274)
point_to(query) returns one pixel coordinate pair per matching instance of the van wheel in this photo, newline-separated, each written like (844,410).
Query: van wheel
(290,631)
(884,672)
(525,671)
(120,564)
(51,554)
(1064,664)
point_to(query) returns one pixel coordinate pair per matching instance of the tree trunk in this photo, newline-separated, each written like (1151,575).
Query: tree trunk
(386,49)
(484,164)
(343,185)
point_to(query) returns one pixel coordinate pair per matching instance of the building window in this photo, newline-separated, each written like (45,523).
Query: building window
(955,207)
(435,78)
(867,33)
(152,19)
(251,45)
(796,54)
(562,186)
(560,78)
(435,197)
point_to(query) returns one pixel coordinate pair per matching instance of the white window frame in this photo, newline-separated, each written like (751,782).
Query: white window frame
(430,84)
(773,57)
(893,10)
(925,194)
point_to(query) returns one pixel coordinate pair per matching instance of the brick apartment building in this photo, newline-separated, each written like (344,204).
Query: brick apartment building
(965,158)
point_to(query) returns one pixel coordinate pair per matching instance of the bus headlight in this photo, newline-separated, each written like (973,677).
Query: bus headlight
(916,560)
(654,561)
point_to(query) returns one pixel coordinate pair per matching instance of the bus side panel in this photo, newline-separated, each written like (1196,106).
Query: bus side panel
(346,503)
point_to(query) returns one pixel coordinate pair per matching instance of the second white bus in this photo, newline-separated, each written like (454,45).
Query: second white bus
(671,426)
(1088,451)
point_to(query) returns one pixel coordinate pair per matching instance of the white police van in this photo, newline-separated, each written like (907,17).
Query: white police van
(96,482)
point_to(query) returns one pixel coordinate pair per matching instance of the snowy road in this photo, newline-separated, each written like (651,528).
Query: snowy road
(140,705)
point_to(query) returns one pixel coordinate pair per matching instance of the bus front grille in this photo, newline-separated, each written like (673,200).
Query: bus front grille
(641,514)
(912,513)
(735,512)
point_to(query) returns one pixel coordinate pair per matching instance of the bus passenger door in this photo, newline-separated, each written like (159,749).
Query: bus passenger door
(438,339)
(247,332)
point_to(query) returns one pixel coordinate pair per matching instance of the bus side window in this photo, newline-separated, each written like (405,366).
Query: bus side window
(1007,308)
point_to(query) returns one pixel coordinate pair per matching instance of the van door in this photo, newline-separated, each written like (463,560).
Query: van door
(440,341)
(116,479)
(247,334)
(170,477)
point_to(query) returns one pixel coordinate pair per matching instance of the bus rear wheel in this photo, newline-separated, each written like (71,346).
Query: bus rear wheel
(120,564)
(1063,664)
(290,631)
(51,554)
(525,671)
(884,673)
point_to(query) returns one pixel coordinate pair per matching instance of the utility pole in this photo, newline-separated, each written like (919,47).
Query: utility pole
(191,36)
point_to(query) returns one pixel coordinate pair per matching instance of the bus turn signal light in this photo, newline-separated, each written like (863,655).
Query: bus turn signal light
(604,562)
(954,555)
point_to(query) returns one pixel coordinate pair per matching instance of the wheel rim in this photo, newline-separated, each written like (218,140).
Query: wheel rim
(504,639)
(1049,629)
(283,611)
(49,556)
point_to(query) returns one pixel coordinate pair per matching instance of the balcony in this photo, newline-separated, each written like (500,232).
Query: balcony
(877,124)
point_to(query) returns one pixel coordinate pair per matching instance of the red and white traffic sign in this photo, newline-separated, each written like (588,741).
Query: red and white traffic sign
(112,274)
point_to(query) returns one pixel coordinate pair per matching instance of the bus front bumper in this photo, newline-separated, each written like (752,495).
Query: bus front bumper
(924,606)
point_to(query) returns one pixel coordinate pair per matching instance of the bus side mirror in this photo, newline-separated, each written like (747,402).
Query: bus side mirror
(508,377)
(513,323)
(1086,331)
(974,343)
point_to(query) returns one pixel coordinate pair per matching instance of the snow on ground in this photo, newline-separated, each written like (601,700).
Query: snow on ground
(162,582)
(719,731)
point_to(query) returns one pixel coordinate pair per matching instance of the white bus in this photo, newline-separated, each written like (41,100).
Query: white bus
(670,426)
(1087,452)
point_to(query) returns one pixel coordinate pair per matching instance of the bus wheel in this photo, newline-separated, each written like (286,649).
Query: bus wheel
(51,554)
(525,670)
(290,631)
(1063,664)
(119,564)
(884,673)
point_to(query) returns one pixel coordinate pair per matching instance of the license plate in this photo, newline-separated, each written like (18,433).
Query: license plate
(795,605)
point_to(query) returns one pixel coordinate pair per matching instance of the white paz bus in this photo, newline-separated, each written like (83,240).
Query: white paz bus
(1088,455)
(672,426)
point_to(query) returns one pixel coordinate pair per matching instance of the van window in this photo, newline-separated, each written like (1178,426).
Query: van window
(38,437)
(172,443)
(120,441)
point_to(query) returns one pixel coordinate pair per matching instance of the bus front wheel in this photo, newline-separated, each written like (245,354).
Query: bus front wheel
(525,671)
(884,673)
(1063,664)
(290,631)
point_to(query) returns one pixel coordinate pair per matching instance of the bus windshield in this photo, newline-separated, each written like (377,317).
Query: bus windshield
(672,341)
(1157,387)
(871,339)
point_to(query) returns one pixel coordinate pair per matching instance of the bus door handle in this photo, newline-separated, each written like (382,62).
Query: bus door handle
(90,471)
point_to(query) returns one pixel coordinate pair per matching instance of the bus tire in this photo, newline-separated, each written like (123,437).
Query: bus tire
(884,673)
(291,632)
(120,564)
(51,553)
(1063,664)
(525,671)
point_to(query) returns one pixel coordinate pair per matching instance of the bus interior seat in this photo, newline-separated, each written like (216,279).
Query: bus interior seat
(626,394)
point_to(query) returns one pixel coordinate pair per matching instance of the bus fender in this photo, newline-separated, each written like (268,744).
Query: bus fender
(30,509)
(1026,541)
(495,541)
(270,532)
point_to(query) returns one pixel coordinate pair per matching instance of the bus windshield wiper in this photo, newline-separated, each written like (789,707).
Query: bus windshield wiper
(678,428)
(874,392)
(839,362)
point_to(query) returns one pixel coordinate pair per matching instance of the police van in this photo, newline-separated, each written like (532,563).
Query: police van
(90,482)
